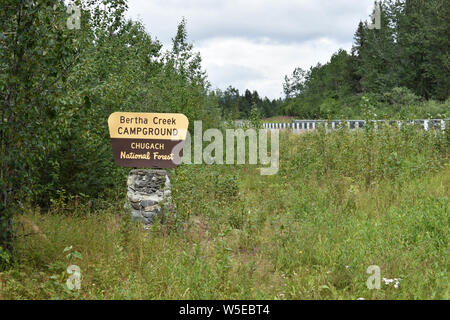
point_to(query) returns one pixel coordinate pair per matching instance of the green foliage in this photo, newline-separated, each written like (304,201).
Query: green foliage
(255,118)
(330,107)
(399,65)
(369,156)
(5,259)
(72,254)
(59,85)
(234,106)
(309,232)
(400,97)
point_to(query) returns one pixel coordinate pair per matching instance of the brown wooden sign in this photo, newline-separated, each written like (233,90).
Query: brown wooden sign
(147,140)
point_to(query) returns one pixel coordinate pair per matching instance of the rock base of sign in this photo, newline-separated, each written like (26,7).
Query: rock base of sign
(149,195)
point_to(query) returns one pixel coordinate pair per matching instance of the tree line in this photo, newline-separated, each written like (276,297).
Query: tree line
(233,105)
(403,68)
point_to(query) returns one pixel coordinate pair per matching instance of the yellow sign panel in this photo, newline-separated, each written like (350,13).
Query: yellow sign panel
(160,126)
(147,140)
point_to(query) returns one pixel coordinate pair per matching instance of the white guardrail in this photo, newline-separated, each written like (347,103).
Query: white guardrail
(426,124)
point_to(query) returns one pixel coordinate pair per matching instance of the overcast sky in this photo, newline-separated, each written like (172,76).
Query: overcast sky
(254,43)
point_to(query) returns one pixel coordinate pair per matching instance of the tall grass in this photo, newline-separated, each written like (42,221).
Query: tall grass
(342,201)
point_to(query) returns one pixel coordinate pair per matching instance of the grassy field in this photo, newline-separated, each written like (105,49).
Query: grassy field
(341,202)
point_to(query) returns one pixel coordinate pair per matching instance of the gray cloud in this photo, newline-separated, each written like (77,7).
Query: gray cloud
(280,20)
(231,72)
(303,32)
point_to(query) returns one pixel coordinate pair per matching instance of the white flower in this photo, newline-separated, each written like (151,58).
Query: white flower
(396,282)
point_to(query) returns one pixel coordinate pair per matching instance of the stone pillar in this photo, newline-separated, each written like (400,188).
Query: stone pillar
(149,194)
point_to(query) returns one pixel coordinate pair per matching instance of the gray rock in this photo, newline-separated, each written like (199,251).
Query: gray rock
(154,208)
(147,203)
(136,215)
(148,191)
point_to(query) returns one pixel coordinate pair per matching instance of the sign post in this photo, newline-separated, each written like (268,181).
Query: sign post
(147,140)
